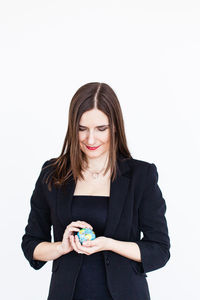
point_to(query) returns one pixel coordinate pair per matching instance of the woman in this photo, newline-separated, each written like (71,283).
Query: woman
(95,183)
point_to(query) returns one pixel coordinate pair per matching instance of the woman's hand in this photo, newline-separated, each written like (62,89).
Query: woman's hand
(66,245)
(89,247)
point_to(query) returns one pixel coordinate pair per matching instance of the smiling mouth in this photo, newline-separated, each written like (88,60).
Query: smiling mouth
(92,148)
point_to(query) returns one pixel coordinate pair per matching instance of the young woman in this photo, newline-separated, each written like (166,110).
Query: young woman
(95,183)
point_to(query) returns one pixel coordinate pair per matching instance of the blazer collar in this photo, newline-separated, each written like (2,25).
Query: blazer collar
(118,192)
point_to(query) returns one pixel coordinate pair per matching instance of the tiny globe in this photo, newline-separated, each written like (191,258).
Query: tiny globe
(86,234)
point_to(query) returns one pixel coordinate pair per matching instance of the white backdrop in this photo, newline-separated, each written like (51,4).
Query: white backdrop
(149,53)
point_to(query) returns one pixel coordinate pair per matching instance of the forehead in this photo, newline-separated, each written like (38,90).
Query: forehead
(93,117)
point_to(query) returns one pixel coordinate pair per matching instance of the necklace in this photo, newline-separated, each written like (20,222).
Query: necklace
(95,174)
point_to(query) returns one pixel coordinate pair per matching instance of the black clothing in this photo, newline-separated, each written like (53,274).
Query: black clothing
(91,283)
(136,205)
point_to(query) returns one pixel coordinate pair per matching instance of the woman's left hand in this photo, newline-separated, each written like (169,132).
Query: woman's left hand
(89,247)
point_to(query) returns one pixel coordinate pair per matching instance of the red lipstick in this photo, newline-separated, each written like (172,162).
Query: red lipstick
(92,148)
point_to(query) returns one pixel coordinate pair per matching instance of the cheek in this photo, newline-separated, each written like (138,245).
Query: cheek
(107,138)
(105,141)
(81,137)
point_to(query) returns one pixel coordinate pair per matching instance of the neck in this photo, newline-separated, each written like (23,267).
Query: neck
(97,163)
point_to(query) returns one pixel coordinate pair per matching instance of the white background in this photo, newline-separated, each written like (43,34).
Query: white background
(149,53)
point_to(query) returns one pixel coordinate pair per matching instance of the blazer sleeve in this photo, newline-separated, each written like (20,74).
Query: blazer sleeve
(38,228)
(155,244)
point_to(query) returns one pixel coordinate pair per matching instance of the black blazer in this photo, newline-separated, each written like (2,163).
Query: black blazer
(136,205)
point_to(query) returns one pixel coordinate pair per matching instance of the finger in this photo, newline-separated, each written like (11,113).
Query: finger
(82,224)
(85,225)
(74,245)
(70,229)
(88,244)
(79,246)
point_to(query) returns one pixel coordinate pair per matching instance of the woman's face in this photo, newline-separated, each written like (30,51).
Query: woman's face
(94,131)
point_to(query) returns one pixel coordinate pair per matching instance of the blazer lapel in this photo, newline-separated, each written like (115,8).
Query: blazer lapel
(118,192)
(64,200)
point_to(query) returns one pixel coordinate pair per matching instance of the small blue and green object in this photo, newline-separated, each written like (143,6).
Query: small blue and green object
(86,234)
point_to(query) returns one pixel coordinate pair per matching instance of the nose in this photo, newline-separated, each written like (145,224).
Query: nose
(91,138)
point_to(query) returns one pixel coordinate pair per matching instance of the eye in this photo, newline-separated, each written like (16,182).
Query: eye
(102,129)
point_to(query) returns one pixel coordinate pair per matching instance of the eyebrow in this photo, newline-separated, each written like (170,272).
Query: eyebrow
(96,126)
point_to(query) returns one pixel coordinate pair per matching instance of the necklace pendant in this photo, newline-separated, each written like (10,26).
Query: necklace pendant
(95,175)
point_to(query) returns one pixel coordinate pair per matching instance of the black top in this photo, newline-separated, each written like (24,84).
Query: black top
(91,283)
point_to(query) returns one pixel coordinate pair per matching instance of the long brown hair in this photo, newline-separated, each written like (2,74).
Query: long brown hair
(70,161)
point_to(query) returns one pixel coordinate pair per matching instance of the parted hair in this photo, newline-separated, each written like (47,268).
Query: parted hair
(71,160)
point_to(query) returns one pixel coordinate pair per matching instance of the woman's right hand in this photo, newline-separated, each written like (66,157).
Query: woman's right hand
(65,245)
